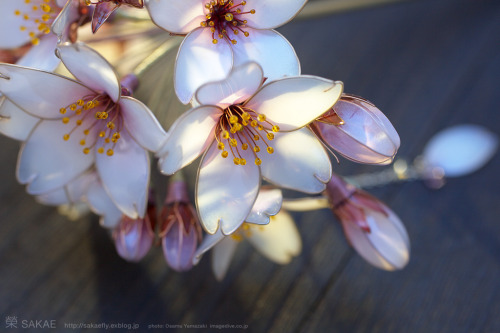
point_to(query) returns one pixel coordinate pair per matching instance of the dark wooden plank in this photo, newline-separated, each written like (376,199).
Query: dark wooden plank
(427,65)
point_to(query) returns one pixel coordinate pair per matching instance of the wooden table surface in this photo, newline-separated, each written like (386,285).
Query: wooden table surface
(427,65)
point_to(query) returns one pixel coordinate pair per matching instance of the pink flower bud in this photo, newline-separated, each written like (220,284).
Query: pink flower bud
(180,229)
(359,131)
(374,231)
(134,238)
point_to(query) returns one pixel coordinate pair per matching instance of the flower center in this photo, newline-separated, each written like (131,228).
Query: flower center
(97,112)
(38,16)
(225,19)
(242,128)
(247,230)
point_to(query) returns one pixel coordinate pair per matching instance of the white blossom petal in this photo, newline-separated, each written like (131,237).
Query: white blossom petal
(178,17)
(90,68)
(101,204)
(189,137)
(271,14)
(294,102)
(47,162)
(41,94)
(225,193)
(268,204)
(42,56)
(306,204)
(209,241)
(222,254)
(241,83)
(12,36)
(299,162)
(270,50)
(14,122)
(69,14)
(142,124)
(70,193)
(200,61)
(125,175)
(279,240)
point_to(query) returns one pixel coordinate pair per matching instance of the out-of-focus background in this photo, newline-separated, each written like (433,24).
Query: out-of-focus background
(427,65)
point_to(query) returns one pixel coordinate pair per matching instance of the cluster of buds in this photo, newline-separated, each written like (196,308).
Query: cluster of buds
(178,229)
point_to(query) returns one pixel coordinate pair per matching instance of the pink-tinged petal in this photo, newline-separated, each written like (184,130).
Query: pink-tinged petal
(200,61)
(61,3)
(189,137)
(71,193)
(299,162)
(222,254)
(294,102)
(179,247)
(69,14)
(41,94)
(101,204)
(271,14)
(386,246)
(268,204)
(125,175)
(178,16)
(14,122)
(142,124)
(366,135)
(133,239)
(47,161)
(270,50)
(42,56)
(242,82)
(279,240)
(90,68)
(225,192)
(101,13)
(209,241)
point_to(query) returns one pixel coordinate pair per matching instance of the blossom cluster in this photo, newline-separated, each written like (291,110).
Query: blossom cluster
(254,119)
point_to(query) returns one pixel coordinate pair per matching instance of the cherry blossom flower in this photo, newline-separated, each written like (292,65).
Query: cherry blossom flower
(104,9)
(82,124)
(226,33)
(359,131)
(247,131)
(278,239)
(29,23)
(180,230)
(373,229)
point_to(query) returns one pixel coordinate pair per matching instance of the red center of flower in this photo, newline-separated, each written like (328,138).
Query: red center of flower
(225,19)
(94,112)
(38,16)
(243,128)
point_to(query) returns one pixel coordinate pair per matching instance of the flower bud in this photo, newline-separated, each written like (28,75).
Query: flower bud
(134,237)
(129,84)
(180,229)
(374,231)
(359,131)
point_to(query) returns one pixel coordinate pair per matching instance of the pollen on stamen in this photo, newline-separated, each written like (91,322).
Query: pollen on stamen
(110,152)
